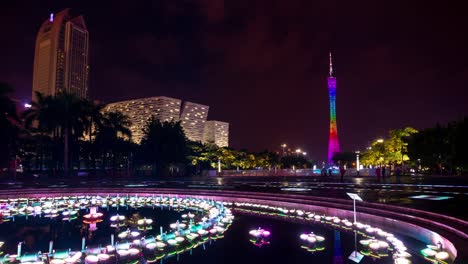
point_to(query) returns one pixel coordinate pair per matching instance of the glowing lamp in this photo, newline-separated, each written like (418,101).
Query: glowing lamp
(160,244)
(402,261)
(133,251)
(103,257)
(374,245)
(151,246)
(442,255)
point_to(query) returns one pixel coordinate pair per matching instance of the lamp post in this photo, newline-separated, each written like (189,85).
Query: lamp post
(298,151)
(355,197)
(355,256)
(283,146)
(357,162)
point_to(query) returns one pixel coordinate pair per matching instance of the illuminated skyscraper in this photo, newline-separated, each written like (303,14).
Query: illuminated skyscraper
(193,117)
(61,56)
(333,145)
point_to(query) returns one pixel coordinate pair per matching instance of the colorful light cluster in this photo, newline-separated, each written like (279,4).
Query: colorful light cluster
(386,244)
(205,220)
(260,237)
(333,145)
(312,242)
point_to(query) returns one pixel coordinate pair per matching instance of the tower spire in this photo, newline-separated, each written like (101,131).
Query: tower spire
(331,65)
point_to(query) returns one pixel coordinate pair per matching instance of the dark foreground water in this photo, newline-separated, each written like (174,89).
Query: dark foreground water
(283,245)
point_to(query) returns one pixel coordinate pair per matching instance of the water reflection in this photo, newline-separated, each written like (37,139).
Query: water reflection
(337,252)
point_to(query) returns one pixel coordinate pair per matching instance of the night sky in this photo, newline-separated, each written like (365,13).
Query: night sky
(262,65)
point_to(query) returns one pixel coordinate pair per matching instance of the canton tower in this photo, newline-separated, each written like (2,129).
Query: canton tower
(333,145)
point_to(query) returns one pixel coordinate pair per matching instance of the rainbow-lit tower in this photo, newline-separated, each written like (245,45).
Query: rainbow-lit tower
(333,145)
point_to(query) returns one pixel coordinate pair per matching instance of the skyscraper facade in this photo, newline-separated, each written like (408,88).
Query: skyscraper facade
(61,56)
(216,132)
(193,118)
(333,145)
(140,111)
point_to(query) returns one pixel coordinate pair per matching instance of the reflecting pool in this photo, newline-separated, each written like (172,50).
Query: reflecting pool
(168,229)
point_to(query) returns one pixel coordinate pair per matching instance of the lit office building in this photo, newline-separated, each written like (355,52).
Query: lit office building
(140,111)
(61,56)
(193,120)
(216,132)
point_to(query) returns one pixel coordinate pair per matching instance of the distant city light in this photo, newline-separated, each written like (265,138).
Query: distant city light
(51,19)
(380,140)
(27,105)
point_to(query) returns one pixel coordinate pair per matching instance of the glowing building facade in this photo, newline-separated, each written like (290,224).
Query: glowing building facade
(61,56)
(140,111)
(333,145)
(193,118)
(216,132)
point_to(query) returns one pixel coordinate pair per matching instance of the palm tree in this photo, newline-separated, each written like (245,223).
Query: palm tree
(109,134)
(63,116)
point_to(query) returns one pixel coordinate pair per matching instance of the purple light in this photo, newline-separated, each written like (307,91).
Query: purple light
(51,19)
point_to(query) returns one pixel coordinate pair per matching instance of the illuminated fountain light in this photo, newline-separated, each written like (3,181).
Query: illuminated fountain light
(402,261)
(259,232)
(177,225)
(442,255)
(103,257)
(133,251)
(57,261)
(171,242)
(202,232)
(151,246)
(192,236)
(145,221)
(312,242)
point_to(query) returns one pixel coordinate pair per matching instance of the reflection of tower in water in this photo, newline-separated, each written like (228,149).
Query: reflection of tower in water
(337,252)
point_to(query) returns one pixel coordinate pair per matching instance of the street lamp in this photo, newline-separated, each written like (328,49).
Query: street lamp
(283,146)
(304,153)
(357,162)
(298,151)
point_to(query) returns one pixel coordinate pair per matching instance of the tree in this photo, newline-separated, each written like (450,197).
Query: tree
(389,151)
(64,116)
(111,138)
(441,148)
(9,122)
(164,146)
